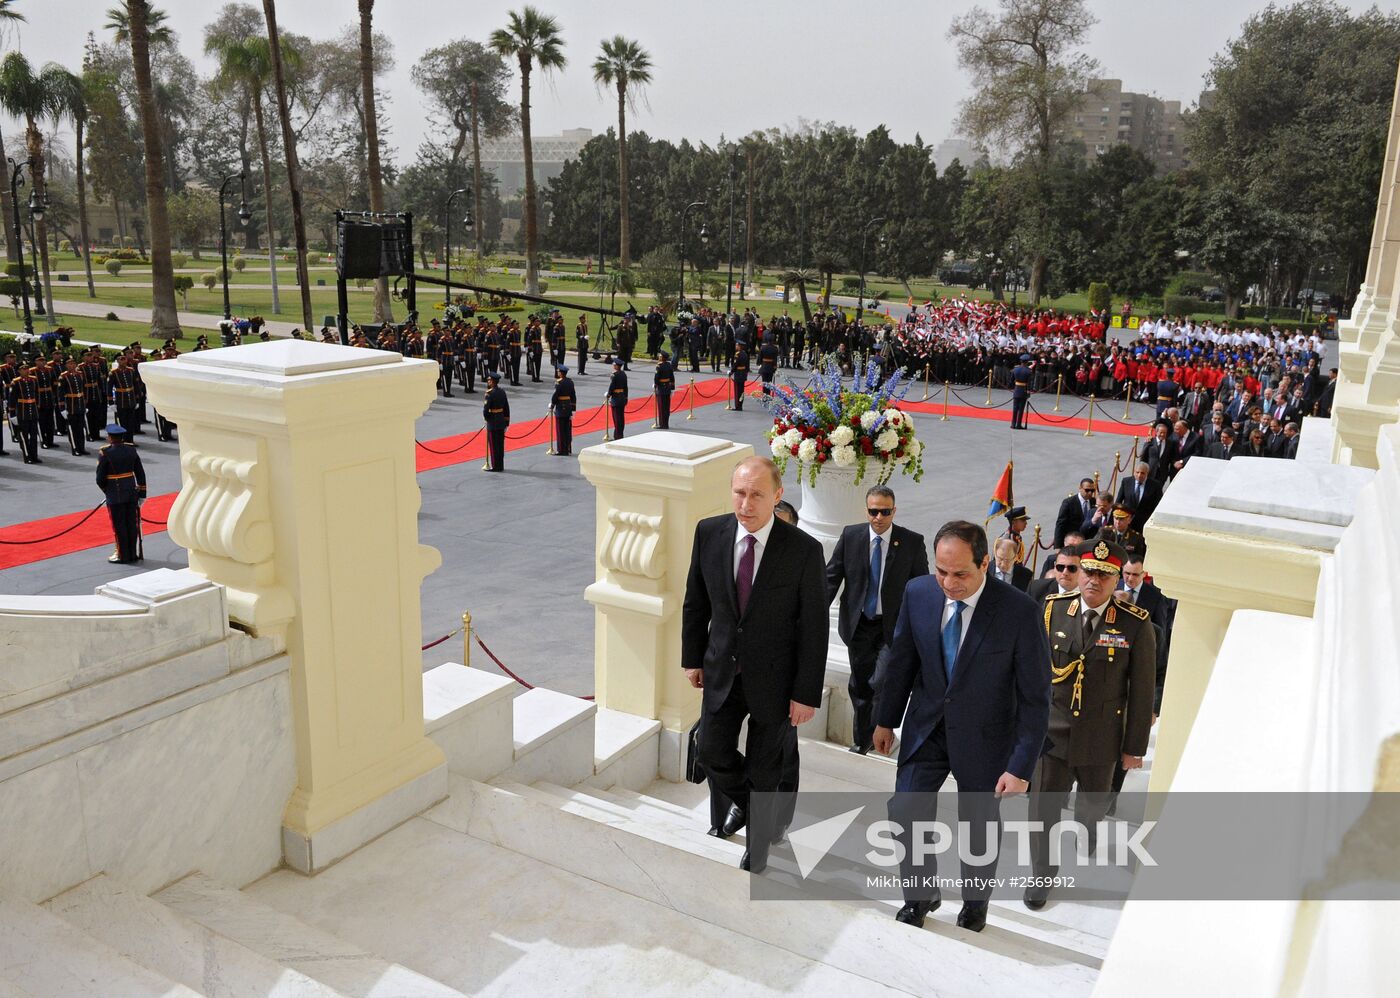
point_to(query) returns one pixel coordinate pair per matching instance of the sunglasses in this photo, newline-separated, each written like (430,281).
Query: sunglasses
(1067,568)
(880,512)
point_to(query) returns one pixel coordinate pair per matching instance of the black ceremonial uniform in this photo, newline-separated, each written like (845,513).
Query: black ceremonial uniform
(563,403)
(534,352)
(495,410)
(467,354)
(123,480)
(617,402)
(513,354)
(74,390)
(739,372)
(23,398)
(768,355)
(1020,395)
(664,383)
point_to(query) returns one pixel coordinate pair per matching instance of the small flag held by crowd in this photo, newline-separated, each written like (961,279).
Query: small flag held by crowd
(1001,495)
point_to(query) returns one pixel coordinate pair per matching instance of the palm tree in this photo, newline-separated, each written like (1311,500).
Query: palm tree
(289,149)
(73,95)
(34,98)
(618,280)
(8,16)
(158,32)
(625,65)
(382,310)
(801,276)
(246,64)
(533,39)
(165,321)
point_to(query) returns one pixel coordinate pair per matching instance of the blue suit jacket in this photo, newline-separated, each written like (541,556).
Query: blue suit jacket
(997,708)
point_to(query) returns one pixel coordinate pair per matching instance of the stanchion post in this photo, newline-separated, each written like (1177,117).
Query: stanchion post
(607,419)
(1089,430)
(925,398)
(691,415)
(944,418)
(550,416)
(1059,387)
(1035,546)
(1133,453)
(989,387)
(466,638)
(1096,481)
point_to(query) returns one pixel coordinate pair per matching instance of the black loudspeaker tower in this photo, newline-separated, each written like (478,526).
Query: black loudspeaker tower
(360,252)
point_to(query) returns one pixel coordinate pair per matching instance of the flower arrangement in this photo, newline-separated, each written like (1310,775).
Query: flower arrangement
(828,421)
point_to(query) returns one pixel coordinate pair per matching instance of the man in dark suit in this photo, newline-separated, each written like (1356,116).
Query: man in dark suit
(1137,590)
(1005,566)
(969,661)
(1047,567)
(1064,576)
(753,637)
(1160,453)
(1075,510)
(875,560)
(1141,491)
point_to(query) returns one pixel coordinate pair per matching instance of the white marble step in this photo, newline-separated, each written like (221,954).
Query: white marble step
(47,957)
(350,969)
(872,771)
(8,990)
(491,921)
(553,734)
(699,876)
(155,936)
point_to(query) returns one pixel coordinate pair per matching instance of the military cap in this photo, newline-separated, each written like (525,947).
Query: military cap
(562,368)
(1101,556)
(1017,513)
(1124,507)
(115,430)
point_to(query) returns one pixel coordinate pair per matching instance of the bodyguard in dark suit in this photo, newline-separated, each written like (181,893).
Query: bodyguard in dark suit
(1159,453)
(1141,491)
(122,480)
(968,661)
(562,403)
(1074,510)
(495,410)
(739,373)
(875,560)
(753,637)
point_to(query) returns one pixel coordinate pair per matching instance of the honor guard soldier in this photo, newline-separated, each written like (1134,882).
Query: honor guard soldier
(1103,663)
(47,392)
(444,351)
(768,364)
(122,479)
(534,351)
(617,397)
(493,350)
(1168,391)
(467,358)
(739,373)
(581,341)
(562,403)
(23,399)
(74,391)
(515,345)
(1016,520)
(558,345)
(664,382)
(123,385)
(495,410)
(94,370)
(1020,392)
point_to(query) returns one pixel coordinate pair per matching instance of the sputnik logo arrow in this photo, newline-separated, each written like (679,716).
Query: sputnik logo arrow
(811,843)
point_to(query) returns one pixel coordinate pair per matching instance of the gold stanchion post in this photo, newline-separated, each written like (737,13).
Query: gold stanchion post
(1132,455)
(1059,387)
(989,387)
(1096,481)
(1128,400)
(691,415)
(466,638)
(925,398)
(1089,431)
(607,420)
(944,418)
(1035,547)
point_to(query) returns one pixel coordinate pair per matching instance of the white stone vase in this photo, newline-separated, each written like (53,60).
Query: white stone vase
(835,501)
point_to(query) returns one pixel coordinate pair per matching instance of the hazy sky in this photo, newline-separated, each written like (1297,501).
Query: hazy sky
(722,67)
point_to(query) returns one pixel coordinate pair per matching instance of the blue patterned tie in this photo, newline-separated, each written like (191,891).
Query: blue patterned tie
(952,636)
(872,590)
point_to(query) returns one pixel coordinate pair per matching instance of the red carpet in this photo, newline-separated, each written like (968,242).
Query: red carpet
(53,538)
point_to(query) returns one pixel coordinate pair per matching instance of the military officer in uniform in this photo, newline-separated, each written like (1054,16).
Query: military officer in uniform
(617,398)
(495,410)
(534,351)
(514,343)
(46,379)
(664,382)
(444,351)
(94,369)
(23,399)
(1123,534)
(739,373)
(1020,392)
(581,342)
(73,390)
(467,353)
(767,364)
(562,403)
(124,384)
(123,480)
(1103,663)
(1168,391)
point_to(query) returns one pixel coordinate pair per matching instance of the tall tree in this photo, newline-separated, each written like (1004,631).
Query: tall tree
(466,85)
(73,94)
(8,17)
(626,66)
(165,321)
(1028,79)
(34,97)
(533,39)
(289,149)
(382,309)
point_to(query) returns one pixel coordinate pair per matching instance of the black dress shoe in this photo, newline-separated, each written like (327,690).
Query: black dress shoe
(1036,897)
(860,749)
(973,916)
(745,863)
(734,820)
(914,911)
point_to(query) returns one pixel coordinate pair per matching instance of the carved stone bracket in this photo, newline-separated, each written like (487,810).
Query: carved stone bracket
(633,544)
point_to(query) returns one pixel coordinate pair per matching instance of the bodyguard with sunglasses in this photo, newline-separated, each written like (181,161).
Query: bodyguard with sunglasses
(1063,578)
(875,560)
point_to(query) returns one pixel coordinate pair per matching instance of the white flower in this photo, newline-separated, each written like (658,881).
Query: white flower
(887,440)
(778,446)
(913,448)
(894,418)
(807,452)
(843,457)
(842,435)
(792,436)
(867,419)
(903,459)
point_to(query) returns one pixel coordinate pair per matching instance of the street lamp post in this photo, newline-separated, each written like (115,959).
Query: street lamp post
(36,212)
(16,178)
(729,286)
(447,240)
(860,302)
(684,212)
(243,215)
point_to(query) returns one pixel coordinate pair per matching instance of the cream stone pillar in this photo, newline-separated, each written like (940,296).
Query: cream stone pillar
(1230,535)
(299,496)
(652,489)
(1377,285)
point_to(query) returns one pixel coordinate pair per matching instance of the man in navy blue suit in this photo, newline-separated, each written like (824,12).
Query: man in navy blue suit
(970,661)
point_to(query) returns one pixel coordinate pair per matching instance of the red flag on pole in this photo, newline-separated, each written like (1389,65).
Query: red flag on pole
(1001,495)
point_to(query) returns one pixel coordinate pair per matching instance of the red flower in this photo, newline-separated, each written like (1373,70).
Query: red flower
(821,458)
(794,449)
(867,445)
(855,420)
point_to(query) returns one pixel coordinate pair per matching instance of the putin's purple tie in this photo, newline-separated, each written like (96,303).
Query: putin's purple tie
(744,581)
